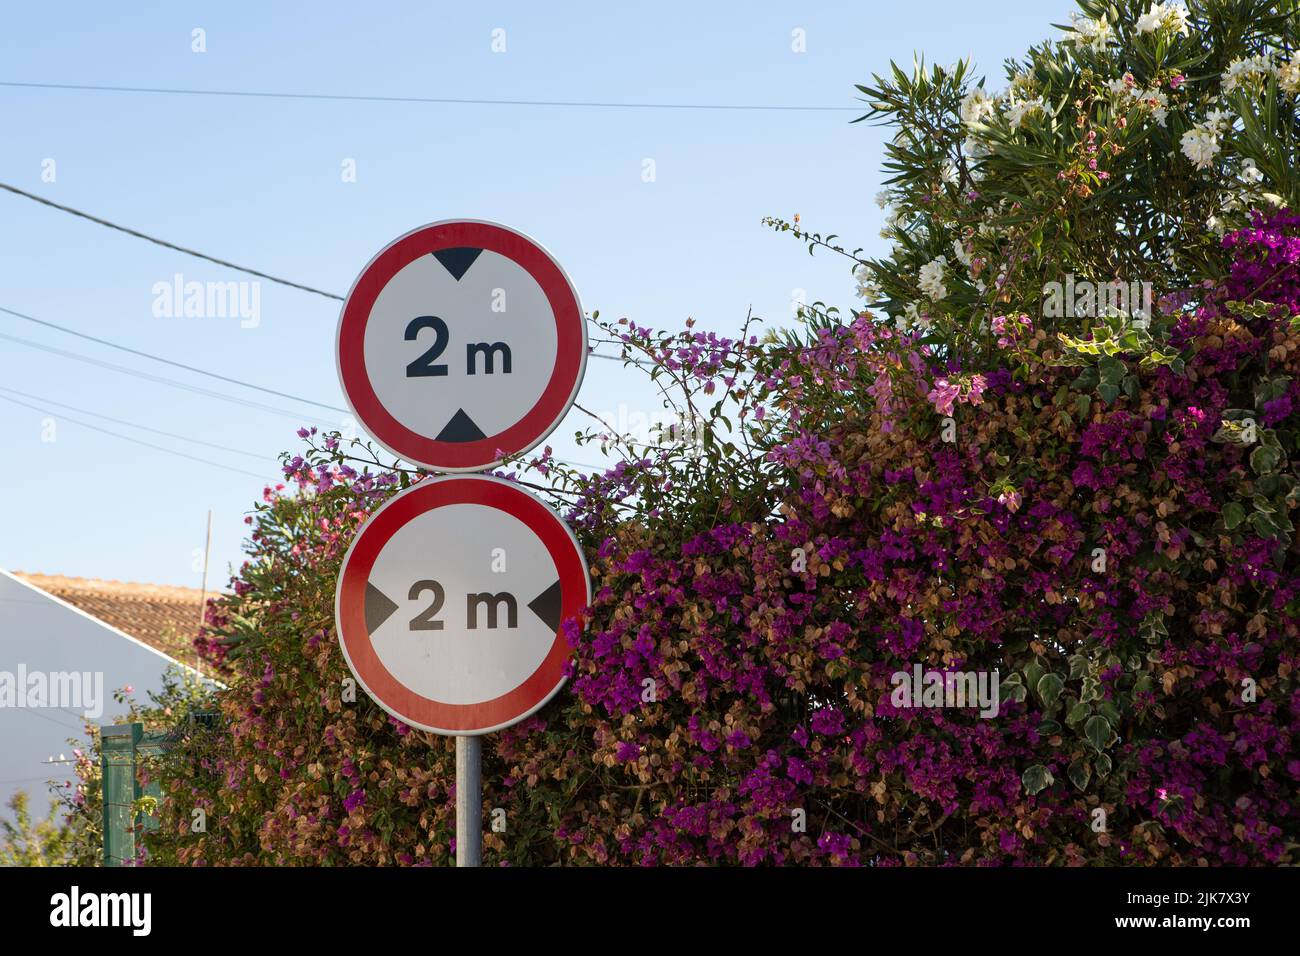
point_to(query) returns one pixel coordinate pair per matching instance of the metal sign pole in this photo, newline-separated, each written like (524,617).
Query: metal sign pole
(469,801)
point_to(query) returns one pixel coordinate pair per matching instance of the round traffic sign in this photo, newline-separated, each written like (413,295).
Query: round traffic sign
(451,601)
(460,343)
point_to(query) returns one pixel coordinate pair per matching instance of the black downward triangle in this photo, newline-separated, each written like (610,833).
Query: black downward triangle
(378,608)
(461,428)
(547,606)
(458,260)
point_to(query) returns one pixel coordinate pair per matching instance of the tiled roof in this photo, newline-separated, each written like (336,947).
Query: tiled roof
(160,615)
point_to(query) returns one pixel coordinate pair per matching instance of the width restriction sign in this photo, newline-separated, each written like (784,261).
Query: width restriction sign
(461,342)
(451,600)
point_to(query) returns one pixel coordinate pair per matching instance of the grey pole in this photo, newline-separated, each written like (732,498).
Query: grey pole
(469,801)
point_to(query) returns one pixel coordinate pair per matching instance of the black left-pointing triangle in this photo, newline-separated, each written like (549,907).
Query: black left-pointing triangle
(379,608)
(461,428)
(458,260)
(547,606)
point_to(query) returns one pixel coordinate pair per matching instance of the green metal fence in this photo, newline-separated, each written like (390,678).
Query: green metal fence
(123,746)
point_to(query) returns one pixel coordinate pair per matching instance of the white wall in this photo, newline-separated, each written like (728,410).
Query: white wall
(48,635)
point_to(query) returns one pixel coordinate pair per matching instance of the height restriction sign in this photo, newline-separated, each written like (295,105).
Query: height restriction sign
(451,602)
(460,343)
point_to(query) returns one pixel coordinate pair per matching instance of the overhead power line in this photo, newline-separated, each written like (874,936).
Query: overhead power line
(201,255)
(166,361)
(159,379)
(136,441)
(131,424)
(164,243)
(434,100)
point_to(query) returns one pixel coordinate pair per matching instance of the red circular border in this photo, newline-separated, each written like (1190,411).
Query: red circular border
(398,699)
(538,422)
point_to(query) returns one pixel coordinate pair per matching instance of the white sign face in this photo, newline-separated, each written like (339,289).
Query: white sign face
(475,365)
(480,590)
(460,343)
(451,602)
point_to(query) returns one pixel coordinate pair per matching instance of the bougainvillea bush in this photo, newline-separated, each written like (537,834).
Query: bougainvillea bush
(1098,509)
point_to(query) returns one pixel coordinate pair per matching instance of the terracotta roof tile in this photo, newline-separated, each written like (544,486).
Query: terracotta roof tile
(160,615)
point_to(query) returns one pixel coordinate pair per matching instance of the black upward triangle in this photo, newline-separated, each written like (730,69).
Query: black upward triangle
(458,260)
(461,428)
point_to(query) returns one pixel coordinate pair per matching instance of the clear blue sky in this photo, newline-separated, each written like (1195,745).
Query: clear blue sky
(257,181)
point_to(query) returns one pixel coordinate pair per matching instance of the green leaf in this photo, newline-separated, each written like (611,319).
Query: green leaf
(1264,459)
(1111,369)
(1078,713)
(1097,730)
(1037,778)
(1080,773)
(1048,689)
(1034,672)
(1233,513)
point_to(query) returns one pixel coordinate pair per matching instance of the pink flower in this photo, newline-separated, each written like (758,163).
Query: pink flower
(943,395)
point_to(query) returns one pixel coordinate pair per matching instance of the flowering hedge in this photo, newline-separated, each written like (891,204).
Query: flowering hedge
(1098,509)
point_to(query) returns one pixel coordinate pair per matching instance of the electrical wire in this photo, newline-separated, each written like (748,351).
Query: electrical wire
(137,441)
(131,424)
(189,252)
(167,361)
(163,242)
(437,100)
(159,379)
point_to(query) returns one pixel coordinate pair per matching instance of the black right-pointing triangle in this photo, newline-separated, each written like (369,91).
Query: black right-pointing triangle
(461,428)
(378,608)
(457,261)
(547,606)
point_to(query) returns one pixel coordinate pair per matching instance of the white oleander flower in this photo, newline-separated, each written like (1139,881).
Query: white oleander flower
(1176,18)
(976,105)
(867,288)
(964,255)
(912,317)
(882,199)
(931,276)
(949,174)
(1250,172)
(1159,104)
(1017,111)
(1288,75)
(1243,68)
(1164,16)
(1087,32)
(909,317)
(1218,120)
(1200,144)
(1149,22)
